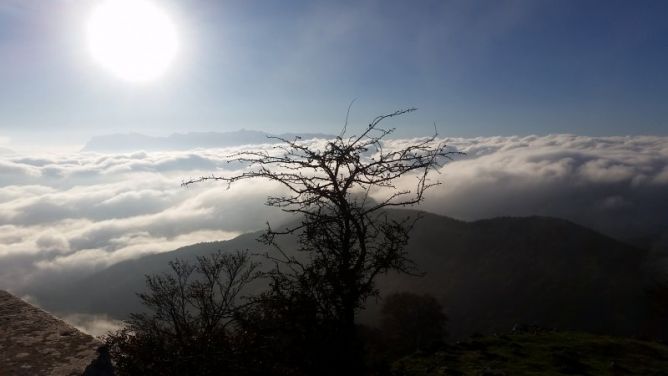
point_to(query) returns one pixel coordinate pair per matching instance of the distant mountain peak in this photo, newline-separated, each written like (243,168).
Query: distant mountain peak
(125,142)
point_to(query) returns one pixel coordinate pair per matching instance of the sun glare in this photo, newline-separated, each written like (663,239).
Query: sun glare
(133,39)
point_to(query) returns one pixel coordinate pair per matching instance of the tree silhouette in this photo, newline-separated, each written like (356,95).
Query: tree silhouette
(189,329)
(346,239)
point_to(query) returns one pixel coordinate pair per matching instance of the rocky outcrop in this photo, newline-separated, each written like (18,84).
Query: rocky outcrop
(33,342)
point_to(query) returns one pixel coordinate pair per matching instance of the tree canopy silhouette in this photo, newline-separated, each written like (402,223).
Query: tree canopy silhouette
(346,239)
(189,326)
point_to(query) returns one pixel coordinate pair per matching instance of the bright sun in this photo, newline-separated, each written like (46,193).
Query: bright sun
(133,39)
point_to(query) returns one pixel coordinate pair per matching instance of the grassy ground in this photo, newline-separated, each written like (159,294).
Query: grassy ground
(541,353)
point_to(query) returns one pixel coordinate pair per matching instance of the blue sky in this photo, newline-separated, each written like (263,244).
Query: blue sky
(475,68)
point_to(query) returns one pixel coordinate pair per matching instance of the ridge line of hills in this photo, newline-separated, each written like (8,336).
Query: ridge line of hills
(488,274)
(185,141)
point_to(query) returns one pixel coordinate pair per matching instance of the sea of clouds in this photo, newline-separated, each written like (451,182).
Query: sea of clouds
(72,214)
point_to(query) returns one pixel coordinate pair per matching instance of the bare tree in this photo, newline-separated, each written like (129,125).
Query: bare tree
(348,238)
(188,328)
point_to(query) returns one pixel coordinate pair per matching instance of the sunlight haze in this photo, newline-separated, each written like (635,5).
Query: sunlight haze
(133,39)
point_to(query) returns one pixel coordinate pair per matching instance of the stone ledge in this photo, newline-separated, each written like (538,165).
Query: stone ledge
(33,342)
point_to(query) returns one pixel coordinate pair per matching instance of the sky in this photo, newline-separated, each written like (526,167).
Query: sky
(474,68)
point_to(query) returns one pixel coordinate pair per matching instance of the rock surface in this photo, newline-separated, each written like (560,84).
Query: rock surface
(33,342)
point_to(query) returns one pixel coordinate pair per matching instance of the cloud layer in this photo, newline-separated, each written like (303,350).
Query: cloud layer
(615,184)
(61,214)
(77,213)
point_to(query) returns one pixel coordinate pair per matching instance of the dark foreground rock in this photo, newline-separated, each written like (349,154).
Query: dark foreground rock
(33,342)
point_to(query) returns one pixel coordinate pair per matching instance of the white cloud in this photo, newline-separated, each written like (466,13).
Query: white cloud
(80,212)
(95,325)
(610,183)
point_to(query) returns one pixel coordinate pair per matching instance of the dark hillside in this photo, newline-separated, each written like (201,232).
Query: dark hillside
(492,274)
(489,275)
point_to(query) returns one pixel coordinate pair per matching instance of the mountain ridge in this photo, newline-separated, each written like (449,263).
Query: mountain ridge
(489,275)
(184,141)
